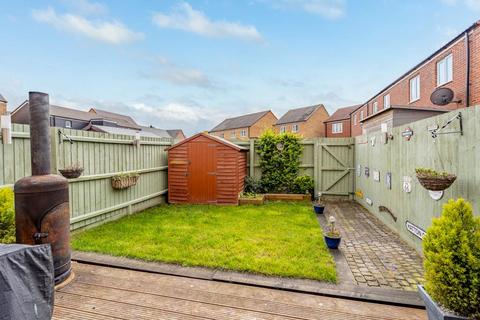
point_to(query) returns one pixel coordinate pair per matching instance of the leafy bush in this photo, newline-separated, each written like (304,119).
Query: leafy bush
(7,216)
(252,185)
(452,259)
(279,160)
(303,185)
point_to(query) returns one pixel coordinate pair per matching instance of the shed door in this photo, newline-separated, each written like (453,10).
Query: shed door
(202,172)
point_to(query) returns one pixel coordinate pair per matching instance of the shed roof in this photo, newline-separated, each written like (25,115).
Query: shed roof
(409,108)
(120,119)
(299,114)
(342,113)
(211,137)
(246,120)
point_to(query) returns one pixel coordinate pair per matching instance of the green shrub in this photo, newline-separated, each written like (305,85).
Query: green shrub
(7,216)
(252,185)
(303,184)
(279,160)
(452,259)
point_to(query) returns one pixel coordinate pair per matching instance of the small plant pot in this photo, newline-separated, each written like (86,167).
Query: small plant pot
(433,310)
(333,242)
(319,208)
(71,174)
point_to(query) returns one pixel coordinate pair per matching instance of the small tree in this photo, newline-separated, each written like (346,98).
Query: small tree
(7,216)
(279,160)
(452,259)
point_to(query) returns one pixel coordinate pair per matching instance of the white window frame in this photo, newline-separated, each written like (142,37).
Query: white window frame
(375,107)
(414,84)
(243,133)
(337,127)
(283,129)
(386,101)
(233,134)
(295,128)
(68,124)
(445,70)
(355,119)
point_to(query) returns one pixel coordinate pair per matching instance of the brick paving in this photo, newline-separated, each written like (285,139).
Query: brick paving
(376,256)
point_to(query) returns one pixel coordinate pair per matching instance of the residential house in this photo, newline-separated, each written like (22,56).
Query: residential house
(338,124)
(119,120)
(456,65)
(245,127)
(306,121)
(3,105)
(177,134)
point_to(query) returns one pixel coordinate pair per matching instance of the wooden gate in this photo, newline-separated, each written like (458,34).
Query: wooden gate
(334,166)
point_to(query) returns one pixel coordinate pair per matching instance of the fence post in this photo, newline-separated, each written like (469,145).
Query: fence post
(54,142)
(252,158)
(315,168)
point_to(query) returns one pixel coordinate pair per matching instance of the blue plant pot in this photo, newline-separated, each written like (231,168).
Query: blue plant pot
(318,208)
(332,243)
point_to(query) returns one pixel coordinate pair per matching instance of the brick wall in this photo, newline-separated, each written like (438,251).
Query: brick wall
(3,108)
(345,130)
(313,127)
(400,91)
(232,134)
(255,131)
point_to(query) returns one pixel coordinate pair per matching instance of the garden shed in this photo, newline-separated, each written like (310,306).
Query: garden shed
(206,169)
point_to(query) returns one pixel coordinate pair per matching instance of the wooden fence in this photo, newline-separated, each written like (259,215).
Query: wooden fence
(328,160)
(92,199)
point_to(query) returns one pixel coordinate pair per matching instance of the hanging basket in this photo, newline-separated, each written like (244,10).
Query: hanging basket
(124,182)
(71,173)
(436,183)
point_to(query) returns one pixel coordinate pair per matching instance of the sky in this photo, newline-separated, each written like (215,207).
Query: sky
(190,64)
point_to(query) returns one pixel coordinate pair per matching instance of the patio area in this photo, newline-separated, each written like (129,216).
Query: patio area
(112,293)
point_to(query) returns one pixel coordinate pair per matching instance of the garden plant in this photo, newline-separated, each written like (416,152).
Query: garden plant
(7,216)
(452,259)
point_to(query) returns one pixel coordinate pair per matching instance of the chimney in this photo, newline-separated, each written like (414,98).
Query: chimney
(3,105)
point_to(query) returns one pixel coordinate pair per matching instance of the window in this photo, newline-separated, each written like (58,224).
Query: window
(337,127)
(386,101)
(355,119)
(294,127)
(375,107)
(243,133)
(282,129)
(232,134)
(222,135)
(68,124)
(415,88)
(445,70)
(361,115)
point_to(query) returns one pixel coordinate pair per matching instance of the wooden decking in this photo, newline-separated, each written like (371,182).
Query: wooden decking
(110,293)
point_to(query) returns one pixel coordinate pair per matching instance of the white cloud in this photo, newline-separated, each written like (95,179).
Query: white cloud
(112,32)
(331,9)
(166,70)
(472,4)
(185,18)
(179,112)
(86,7)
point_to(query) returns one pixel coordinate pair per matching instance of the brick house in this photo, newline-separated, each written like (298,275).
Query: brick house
(338,125)
(245,127)
(456,65)
(3,105)
(306,121)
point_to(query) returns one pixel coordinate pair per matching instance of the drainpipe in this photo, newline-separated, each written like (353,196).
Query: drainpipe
(467,84)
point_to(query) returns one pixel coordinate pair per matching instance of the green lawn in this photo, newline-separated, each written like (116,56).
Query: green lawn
(278,238)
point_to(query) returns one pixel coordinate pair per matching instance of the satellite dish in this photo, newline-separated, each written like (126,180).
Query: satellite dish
(442,96)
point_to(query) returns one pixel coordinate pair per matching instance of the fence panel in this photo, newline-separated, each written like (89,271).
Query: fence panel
(455,153)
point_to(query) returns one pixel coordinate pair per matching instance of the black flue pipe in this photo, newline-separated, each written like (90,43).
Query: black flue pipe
(39,132)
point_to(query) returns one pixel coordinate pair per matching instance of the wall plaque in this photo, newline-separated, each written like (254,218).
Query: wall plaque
(367,172)
(359,170)
(376,175)
(415,230)
(407,184)
(407,133)
(369,201)
(388,180)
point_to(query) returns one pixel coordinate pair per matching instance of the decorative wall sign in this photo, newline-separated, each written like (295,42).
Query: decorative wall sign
(376,175)
(372,141)
(384,127)
(385,209)
(369,201)
(359,194)
(407,184)
(367,172)
(359,170)
(415,230)
(388,180)
(435,195)
(407,133)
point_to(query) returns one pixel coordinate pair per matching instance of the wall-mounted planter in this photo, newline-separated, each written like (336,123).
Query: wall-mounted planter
(439,183)
(71,173)
(258,200)
(121,182)
(287,197)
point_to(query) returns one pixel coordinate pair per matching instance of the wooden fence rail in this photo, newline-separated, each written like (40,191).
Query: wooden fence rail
(92,199)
